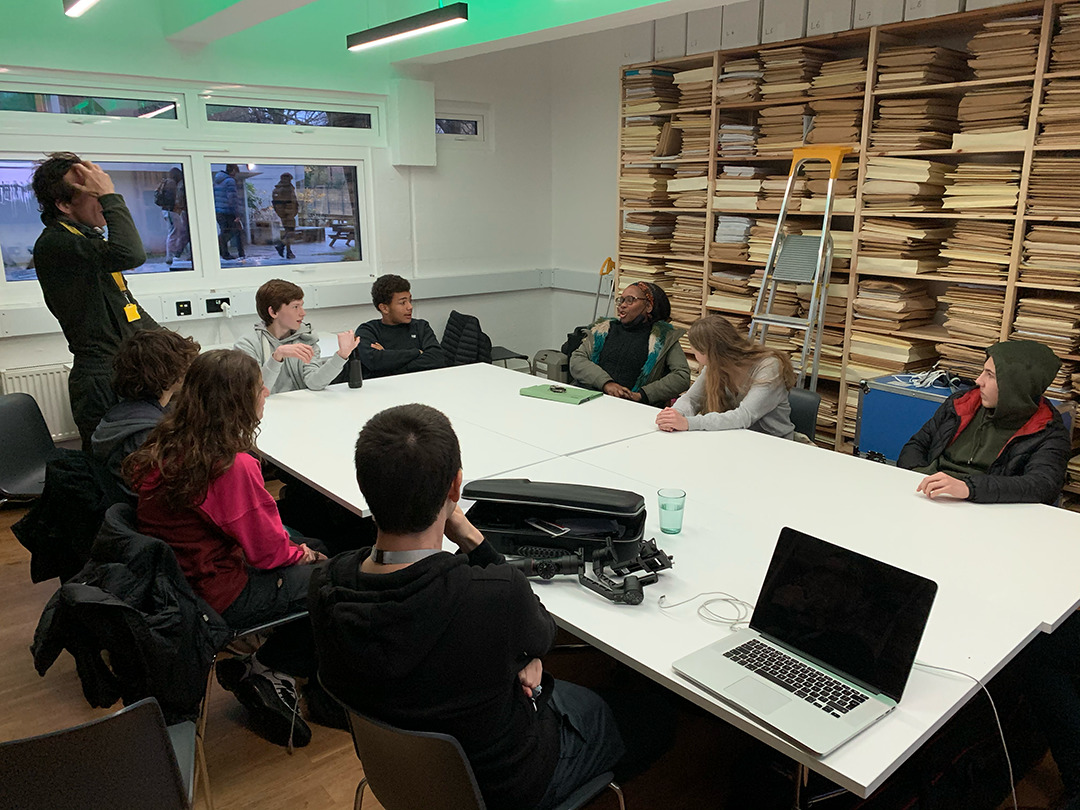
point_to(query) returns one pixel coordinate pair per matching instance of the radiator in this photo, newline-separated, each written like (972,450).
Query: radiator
(48,386)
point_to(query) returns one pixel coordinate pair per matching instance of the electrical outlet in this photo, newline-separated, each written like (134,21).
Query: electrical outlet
(214,304)
(183,308)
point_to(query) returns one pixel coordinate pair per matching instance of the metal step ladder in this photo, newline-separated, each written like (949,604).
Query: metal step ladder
(800,259)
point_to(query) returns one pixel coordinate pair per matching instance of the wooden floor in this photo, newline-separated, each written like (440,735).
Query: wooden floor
(707,768)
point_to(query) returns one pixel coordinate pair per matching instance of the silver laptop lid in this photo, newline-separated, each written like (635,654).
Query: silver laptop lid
(855,615)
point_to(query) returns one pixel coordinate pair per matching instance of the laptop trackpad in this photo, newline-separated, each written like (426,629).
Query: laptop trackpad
(753,694)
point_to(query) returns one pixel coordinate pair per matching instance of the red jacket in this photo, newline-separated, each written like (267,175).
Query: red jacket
(237,525)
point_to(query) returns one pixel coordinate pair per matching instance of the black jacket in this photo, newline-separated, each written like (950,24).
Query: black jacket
(464,341)
(132,600)
(1029,469)
(406,347)
(60,527)
(122,431)
(437,647)
(74,266)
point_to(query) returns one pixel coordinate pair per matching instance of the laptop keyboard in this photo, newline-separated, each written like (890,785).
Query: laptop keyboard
(817,688)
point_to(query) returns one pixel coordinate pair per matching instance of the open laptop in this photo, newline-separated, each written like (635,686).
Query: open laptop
(829,648)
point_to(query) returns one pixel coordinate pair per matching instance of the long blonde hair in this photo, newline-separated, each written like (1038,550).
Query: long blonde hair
(730,359)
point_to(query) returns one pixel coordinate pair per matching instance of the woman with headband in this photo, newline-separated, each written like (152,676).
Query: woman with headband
(635,355)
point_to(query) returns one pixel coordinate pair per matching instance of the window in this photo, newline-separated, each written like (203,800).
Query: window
(86,105)
(165,234)
(274,214)
(461,129)
(283,116)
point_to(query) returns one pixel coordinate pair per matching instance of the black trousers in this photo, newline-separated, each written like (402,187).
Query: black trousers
(271,595)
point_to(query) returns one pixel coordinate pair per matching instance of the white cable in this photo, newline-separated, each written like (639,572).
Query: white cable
(705,610)
(997,719)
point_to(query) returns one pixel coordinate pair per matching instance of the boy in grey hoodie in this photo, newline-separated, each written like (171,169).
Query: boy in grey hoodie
(285,346)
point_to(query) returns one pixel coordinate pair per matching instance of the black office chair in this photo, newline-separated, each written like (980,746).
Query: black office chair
(411,769)
(804,410)
(25,444)
(128,759)
(465,342)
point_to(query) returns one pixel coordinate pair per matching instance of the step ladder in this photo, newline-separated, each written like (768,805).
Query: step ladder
(800,259)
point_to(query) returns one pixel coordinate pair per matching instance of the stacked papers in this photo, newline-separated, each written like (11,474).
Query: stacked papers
(781,129)
(911,65)
(646,232)
(973,312)
(978,249)
(840,76)
(904,184)
(695,87)
(892,305)
(1059,115)
(1051,255)
(1008,47)
(738,81)
(1053,189)
(982,188)
(731,238)
(788,72)
(906,124)
(1051,318)
(648,90)
(899,247)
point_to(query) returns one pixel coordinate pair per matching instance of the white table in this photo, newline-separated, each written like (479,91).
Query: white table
(311,434)
(1005,572)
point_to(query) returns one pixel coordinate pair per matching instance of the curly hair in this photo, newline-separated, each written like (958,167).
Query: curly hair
(386,287)
(730,359)
(49,184)
(406,460)
(150,362)
(214,417)
(275,294)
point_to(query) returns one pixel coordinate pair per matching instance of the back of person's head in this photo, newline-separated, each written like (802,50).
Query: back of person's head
(386,287)
(406,460)
(730,358)
(231,169)
(150,362)
(49,184)
(275,294)
(285,178)
(214,417)
(176,174)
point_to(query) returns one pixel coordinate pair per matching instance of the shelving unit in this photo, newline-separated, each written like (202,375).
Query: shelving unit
(838,379)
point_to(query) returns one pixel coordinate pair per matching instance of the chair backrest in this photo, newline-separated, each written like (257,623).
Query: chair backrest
(123,760)
(464,341)
(25,443)
(804,410)
(411,769)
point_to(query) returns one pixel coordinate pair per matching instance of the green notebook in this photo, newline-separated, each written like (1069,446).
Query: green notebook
(573,396)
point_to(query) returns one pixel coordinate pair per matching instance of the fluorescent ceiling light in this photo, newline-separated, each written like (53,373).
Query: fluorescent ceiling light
(76,8)
(409,27)
(159,111)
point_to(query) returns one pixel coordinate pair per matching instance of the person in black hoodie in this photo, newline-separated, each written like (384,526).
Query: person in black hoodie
(148,370)
(396,343)
(1002,442)
(451,643)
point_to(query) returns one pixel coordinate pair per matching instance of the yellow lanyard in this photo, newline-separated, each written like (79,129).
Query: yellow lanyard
(131,309)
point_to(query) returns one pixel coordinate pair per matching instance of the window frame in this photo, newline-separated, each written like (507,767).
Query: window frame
(466,111)
(195,145)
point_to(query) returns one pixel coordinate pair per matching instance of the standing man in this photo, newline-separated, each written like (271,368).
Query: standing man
(227,210)
(286,206)
(397,343)
(81,276)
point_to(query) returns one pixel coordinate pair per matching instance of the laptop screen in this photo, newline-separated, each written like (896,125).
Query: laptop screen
(859,617)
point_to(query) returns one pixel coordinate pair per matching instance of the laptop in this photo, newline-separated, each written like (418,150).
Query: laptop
(830,645)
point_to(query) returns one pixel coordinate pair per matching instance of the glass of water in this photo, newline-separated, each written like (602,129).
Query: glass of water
(672,502)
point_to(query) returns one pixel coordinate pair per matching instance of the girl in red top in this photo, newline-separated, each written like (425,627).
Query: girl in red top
(202,492)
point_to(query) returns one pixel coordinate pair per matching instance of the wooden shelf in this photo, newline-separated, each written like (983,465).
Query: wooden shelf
(869,42)
(668,111)
(660,160)
(952,88)
(919,153)
(786,102)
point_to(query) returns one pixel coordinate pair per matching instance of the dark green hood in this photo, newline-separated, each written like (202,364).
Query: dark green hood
(1025,370)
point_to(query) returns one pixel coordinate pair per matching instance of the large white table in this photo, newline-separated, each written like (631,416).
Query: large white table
(311,434)
(1005,572)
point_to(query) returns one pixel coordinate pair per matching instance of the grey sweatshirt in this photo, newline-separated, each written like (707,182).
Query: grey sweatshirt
(291,374)
(764,409)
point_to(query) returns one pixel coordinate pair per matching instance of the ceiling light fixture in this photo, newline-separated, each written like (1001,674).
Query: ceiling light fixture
(76,8)
(409,27)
